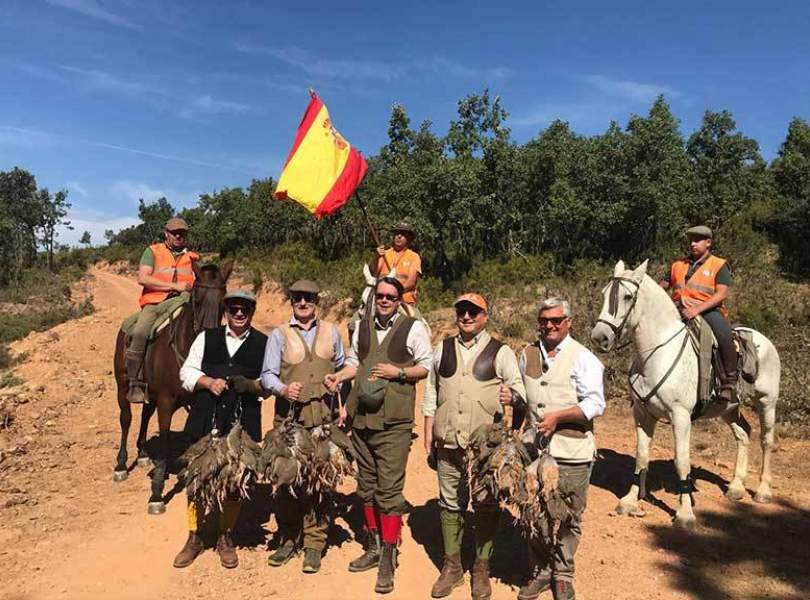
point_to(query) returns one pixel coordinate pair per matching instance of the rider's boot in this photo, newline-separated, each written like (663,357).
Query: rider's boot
(136,394)
(728,386)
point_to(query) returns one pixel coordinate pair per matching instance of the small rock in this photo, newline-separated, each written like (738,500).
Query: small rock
(49,423)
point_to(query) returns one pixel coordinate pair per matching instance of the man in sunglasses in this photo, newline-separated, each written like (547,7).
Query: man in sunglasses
(564,384)
(389,354)
(165,270)
(299,355)
(399,257)
(222,370)
(473,377)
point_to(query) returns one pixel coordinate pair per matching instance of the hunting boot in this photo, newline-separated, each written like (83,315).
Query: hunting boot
(283,554)
(226,551)
(450,578)
(538,584)
(136,394)
(563,590)
(312,560)
(194,546)
(371,555)
(481,588)
(385,572)
(728,386)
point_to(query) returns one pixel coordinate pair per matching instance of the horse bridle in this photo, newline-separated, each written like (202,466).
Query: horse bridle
(613,306)
(196,303)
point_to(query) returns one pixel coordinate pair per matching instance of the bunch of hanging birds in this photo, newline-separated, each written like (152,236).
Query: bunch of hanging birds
(219,467)
(513,469)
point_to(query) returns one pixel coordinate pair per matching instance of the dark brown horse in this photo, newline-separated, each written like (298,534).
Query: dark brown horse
(162,376)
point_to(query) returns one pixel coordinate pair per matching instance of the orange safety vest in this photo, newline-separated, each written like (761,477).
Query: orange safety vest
(701,285)
(404,262)
(168,269)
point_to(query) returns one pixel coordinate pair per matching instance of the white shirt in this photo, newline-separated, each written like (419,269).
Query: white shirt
(418,343)
(191,371)
(587,374)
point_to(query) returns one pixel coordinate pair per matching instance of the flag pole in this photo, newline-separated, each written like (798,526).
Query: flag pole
(374,235)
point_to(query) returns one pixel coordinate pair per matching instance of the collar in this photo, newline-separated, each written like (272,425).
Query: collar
(473,342)
(230,333)
(297,324)
(182,250)
(380,327)
(558,348)
(699,261)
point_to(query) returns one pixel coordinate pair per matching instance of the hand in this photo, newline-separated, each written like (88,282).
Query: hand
(380,251)
(217,386)
(183,286)
(330,382)
(342,414)
(689,312)
(548,425)
(240,384)
(505,396)
(293,391)
(428,442)
(385,371)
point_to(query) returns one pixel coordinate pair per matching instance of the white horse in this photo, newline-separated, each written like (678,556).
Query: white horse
(664,384)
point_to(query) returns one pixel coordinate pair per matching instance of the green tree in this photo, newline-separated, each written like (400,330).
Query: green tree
(21,213)
(85,239)
(54,210)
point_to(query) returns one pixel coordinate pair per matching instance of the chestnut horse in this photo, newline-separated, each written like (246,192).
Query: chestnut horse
(162,376)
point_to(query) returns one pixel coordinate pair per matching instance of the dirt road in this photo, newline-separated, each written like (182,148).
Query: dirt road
(68,531)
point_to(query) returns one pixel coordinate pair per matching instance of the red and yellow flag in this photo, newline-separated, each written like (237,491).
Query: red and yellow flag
(322,170)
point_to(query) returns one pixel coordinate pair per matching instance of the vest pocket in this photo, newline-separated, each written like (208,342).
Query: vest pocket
(399,403)
(489,405)
(441,421)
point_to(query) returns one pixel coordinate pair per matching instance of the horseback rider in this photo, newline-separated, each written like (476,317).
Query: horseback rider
(298,356)
(390,352)
(564,384)
(472,378)
(407,262)
(222,369)
(166,269)
(699,284)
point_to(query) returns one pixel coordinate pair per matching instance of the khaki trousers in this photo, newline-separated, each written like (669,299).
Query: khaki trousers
(558,560)
(300,518)
(143,326)
(454,489)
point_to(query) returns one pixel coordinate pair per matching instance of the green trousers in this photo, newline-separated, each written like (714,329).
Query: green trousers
(381,460)
(299,519)
(143,326)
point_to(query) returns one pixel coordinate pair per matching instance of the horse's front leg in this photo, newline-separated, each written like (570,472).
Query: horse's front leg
(682,430)
(741,430)
(645,428)
(767,420)
(147,410)
(164,410)
(121,471)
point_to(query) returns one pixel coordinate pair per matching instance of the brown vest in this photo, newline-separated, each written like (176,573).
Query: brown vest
(553,391)
(308,367)
(397,409)
(467,393)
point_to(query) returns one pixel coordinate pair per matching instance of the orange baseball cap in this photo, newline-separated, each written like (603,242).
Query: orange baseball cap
(472,298)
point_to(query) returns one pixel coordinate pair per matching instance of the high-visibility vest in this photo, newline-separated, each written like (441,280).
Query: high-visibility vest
(168,269)
(405,263)
(701,285)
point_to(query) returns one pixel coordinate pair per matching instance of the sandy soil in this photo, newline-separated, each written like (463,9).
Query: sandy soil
(68,531)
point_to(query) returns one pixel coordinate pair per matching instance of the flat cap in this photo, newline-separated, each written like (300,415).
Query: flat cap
(700,231)
(240,295)
(474,299)
(304,285)
(176,223)
(404,227)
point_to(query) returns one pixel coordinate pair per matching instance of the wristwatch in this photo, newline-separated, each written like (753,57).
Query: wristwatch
(401,376)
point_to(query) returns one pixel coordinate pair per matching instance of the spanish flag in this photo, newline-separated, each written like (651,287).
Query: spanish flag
(322,170)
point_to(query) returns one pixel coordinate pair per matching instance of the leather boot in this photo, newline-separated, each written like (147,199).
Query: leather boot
(539,583)
(136,394)
(563,590)
(728,386)
(451,577)
(226,551)
(481,588)
(192,549)
(385,572)
(371,555)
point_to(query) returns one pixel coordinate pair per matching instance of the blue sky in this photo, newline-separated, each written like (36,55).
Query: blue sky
(121,99)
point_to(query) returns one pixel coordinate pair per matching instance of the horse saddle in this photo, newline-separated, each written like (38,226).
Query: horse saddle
(173,311)
(704,343)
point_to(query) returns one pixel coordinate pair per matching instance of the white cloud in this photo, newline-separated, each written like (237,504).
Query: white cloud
(102,81)
(24,138)
(75,186)
(633,91)
(95,10)
(130,192)
(206,106)
(94,222)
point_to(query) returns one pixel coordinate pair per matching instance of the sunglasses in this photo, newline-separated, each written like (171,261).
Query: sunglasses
(556,321)
(473,311)
(303,297)
(389,297)
(177,232)
(239,309)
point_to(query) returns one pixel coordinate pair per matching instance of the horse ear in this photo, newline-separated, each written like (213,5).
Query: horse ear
(227,270)
(195,266)
(642,268)
(619,268)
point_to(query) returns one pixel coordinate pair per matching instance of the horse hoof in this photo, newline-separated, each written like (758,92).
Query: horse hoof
(626,509)
(156,508)
(120,475)
(735,494)
(760,498)
(686,523)
(144,462)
